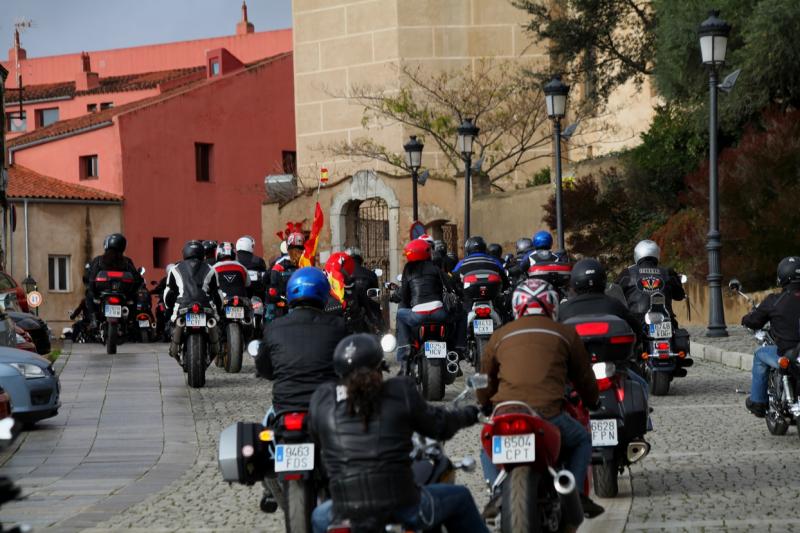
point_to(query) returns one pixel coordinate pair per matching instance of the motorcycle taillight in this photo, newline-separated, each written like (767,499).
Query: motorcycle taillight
(513,424)
(662,346)
(114,300)
(294,421)
(236,301)
(483,312)
(196,308)
(603,384)
(339,529)
(588,329)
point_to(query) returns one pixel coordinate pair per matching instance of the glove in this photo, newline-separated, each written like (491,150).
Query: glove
(469,415)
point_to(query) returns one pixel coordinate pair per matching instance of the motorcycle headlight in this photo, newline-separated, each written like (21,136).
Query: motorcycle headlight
(21,339)
(28,370)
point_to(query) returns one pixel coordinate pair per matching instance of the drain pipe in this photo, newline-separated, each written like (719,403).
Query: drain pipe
(27,258)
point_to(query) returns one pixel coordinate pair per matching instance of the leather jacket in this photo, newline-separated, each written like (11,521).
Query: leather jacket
(297,354)
(422,283)
(250,261)
(191,281)
(370,469)
(640,281)
(109,262)
(232,279)
(782,311)
(279,276)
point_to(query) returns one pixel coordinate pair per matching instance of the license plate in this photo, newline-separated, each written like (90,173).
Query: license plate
(144,323)
(435,350)
(483,327)
(113,311)
(234,312)
(294,457)
(196,320)
(253,275)
(604,432)
(513,449)
(661,331)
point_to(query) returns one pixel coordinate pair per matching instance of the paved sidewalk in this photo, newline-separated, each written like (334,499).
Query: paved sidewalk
(125,431)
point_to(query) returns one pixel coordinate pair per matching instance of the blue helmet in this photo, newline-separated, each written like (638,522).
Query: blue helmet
(542,240)
(308,284)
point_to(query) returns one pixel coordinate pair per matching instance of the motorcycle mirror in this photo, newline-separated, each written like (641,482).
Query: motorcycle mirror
(399,277)
(467,464)
(141,271)
(86,266)
(374,293)
(478,381)
(388,343)
(734,285)
(684,279)
(252,348)
(378,272)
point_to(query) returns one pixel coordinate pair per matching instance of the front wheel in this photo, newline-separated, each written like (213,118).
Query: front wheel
(432,379)
(604,477)
(195,360)
(299,505)
(233,361)
(112,337)
(659,383)
(519,512)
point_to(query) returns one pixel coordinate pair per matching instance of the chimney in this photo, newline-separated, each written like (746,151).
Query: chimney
(244,26)
(16,52)
(86,80)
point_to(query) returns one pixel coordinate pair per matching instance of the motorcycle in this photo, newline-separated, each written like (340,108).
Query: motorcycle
(483,288)
(113,288)
(145,321)
(620,422)
(197,323)
(238,322)
(546,266)
(783,383)
(665,353)
(9,491)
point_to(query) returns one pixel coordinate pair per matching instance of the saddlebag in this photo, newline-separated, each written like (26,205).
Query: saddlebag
(635,410)
(682,341)
(243,457)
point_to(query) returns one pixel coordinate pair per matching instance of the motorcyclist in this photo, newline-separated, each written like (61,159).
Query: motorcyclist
(192,281)
(496,251)
(345,299)
(284,267)
(245,247)
(232,278)
(542,240)
(441,258)
(113,259)
(420,298)
(532,359)
(645,277)
(363,280)
(364,427)
(524,246)
(161,313)
(477,260)
(782,312)
(210,251)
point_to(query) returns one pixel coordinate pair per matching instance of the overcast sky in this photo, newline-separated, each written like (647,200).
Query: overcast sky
(67,26)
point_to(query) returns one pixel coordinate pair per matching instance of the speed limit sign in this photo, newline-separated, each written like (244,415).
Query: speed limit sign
(35,299)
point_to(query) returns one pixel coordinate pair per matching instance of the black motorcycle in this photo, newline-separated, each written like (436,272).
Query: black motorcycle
(237,319)
(113,289)
(620,422)
(145,324)
(196,322)
(483,288)
(665,352)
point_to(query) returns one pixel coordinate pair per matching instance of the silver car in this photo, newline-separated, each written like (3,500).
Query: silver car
(32,384)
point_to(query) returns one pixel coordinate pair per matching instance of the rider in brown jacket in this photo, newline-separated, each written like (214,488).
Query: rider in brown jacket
(532,360)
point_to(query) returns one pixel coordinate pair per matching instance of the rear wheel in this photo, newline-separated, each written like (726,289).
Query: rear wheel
(144,335)
(195,357)
(659,383)
(519,510)
(233,361)
(112,336)
(605,479)
(432,379)
(480,345)
(299,505)
(776,423)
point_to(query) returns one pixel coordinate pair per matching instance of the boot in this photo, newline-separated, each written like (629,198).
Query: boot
(175,344)
(216,344)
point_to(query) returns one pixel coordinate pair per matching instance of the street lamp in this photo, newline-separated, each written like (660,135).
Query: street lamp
(713,46)
(29,284)
(555,95)
(467,132)
(413,150)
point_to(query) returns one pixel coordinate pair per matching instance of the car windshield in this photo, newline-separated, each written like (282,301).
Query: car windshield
(8,302)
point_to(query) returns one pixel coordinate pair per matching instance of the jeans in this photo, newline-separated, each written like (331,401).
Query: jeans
(407,322)
(576,448)
(765,357)
(448,505)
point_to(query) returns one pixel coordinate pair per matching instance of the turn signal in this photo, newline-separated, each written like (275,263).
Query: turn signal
(783,362)
(265,436)
(645,356)
(681,354)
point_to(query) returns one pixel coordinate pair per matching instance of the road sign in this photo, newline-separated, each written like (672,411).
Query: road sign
(35,299)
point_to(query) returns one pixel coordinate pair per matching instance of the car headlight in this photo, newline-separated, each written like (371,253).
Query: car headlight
(28,370)
(21,339)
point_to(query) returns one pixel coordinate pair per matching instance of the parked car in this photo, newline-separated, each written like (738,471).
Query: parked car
(5,404)
(9,286)
(34,326)
(23,340)
(32,384)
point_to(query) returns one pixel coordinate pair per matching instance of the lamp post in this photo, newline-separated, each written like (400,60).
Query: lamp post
(555,95)
(413,150)
(29,284)
(713,46)
(467,132)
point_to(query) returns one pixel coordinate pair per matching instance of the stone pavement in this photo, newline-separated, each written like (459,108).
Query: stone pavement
(124,432)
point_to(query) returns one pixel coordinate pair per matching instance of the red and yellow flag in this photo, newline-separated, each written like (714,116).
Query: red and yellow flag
(313,238)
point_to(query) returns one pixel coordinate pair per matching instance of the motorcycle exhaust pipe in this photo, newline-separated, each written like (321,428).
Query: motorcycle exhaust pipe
(452,362)
(564,483)
(211,323)
(181,322)
(125,311)
(247,321)
(637,450)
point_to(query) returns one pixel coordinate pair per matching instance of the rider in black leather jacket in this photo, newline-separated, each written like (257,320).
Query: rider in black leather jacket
(112,259)
(364,427)
(644,278)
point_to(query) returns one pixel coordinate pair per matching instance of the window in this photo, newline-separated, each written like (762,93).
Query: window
(89,167)
(14,124)
(91,108)
(290,163)
(214,68)
(58,273)
(202,161)
(106,105)
(160,252)
(45,117)
(6,282)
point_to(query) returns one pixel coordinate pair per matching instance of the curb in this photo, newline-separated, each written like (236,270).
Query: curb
(615,517)
(738,360)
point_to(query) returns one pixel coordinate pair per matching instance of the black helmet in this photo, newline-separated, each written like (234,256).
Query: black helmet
(361,350)
(116,242)
(193,250)
(524,244)
(440,247)
(495,250)
(788,270)
(210,248)
(588,275)
(356,253)
(475,245)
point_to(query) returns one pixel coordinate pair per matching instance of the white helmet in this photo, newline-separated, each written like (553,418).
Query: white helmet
(284,248)
(245,244)
(645,249)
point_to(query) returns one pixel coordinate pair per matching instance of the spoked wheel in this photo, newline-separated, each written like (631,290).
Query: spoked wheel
(776,423)
(519,510)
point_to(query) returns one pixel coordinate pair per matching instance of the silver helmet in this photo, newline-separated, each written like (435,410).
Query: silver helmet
(646,248)
(354,251)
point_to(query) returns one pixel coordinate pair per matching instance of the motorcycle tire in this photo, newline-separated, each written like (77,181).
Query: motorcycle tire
(432,379)
(195,357)
(235,347)
(300,502)
(112,338)
(480,345)
(144,336)
(519,511)
(776,424)
(605,479)
(659,383)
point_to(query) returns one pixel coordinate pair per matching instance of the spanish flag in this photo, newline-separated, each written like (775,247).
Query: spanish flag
(313,238)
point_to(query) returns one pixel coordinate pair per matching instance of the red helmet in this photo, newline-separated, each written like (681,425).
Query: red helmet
(295,240)
(417,250)
(340,262)
(535,297)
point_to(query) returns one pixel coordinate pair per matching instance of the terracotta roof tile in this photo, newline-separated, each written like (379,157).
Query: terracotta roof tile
(26,183)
